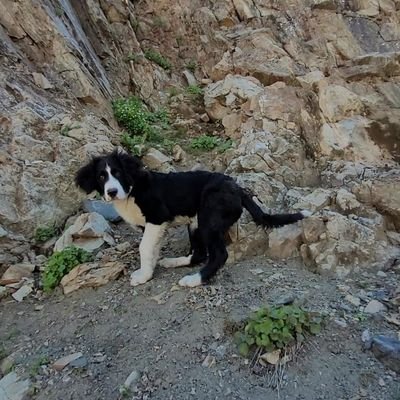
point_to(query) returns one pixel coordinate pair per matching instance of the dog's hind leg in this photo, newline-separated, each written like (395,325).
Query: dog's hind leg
(198,252)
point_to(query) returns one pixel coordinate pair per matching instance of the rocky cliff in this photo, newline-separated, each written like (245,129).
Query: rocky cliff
(309,90)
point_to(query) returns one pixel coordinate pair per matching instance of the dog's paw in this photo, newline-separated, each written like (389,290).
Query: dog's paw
(139,277)
(191,280)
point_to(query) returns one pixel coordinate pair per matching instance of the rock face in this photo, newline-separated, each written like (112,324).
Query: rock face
(308,90)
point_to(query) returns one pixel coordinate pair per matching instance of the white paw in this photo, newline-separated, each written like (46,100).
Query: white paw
(167,263)
(139,277)
(191,280)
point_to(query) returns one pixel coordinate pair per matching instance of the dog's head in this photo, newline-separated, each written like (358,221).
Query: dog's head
(113,175)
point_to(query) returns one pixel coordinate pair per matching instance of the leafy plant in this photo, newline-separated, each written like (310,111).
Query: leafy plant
(132,57)
(132,115)
(35,367)
(62,262)
(205,142)
(157,58)
(159,22)
(44,233)
(191,66)
(275,327)
(226,145)
(195,90)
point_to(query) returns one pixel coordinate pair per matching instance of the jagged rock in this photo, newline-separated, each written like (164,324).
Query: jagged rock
(91,275)
(315,201)
(41,81)
(88,232)
(311,80)
(13,388)
(374,307)
(107,210)
(337,103)
(156,160)
(61,363)
(347,202)
(179,154)
(16,272)
(22,292)
(284,242)
(387,350)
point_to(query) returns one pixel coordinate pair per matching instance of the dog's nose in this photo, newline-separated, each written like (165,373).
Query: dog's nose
(112,192)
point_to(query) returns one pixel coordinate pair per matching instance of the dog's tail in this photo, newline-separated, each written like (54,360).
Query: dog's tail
(268,220)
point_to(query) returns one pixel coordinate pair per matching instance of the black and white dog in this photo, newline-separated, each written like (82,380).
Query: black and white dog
(208,202)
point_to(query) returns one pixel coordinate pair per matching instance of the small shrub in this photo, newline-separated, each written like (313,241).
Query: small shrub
(157,58)
(35,367)
(134,23)
(173,91)
(276,327)
(132,57)
(62,262)
(224,146)
(132,143)
(195,90)
(159,22)
(44,233)
(205,142)
(191,66)
(132,115)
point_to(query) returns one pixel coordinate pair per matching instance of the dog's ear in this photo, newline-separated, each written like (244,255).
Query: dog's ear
(132,166)
(86,177)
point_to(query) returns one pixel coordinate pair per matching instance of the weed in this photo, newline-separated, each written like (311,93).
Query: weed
(134,23)
(191,66)
(276,327)
(159,22)
(361,316)
(157,58)
(35,367)
(195,90)
(224,146)
(66,128)
(59,11)
(60,263)
(173,91)
(3,352)
(132,115)
(125,392)
(132,57)
(205,142)
(44,233)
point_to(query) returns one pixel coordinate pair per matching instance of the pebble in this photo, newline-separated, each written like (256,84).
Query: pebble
(353,300)
(374,307)
(61,363)
(342,323)
(381,274)
(133,377)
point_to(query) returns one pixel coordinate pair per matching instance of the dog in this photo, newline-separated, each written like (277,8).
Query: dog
(209,203)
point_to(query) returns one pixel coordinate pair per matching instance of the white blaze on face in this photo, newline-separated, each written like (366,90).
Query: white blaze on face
(113,184)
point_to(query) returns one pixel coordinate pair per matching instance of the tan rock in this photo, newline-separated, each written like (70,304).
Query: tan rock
(315,201)
(61,363)
(284,242)
(41,81)
(17,272)
(337,103)
(156,160)
(91,275)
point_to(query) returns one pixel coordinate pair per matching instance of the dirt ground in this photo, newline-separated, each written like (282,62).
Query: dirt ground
(165,333)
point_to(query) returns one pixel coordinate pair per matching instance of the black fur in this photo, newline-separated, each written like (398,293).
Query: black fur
(216,199)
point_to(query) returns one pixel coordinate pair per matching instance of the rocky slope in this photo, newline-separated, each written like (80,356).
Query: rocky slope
(309,91)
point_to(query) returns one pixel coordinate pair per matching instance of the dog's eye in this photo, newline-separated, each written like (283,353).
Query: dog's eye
(102,177)
(116,173)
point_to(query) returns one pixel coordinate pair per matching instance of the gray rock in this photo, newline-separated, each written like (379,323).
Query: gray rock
(80,362)
(133,377)
(107,210)
(387,350)
(12,388)
(374,307)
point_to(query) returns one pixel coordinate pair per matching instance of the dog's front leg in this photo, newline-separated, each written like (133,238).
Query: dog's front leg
(149,250)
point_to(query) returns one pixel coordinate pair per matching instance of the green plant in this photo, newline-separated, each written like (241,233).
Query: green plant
(275,327)
(132,57)
(59,10)
(195,90)
(125,392)
(44,233)
(191,66)
(60,263)
(173,91)
(226,145)
(157,58)
(134,23)
(159,22)
(205,142)
(3,352)
(35,367)
(132,115)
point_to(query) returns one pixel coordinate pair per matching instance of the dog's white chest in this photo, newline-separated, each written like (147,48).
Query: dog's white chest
(130,211)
